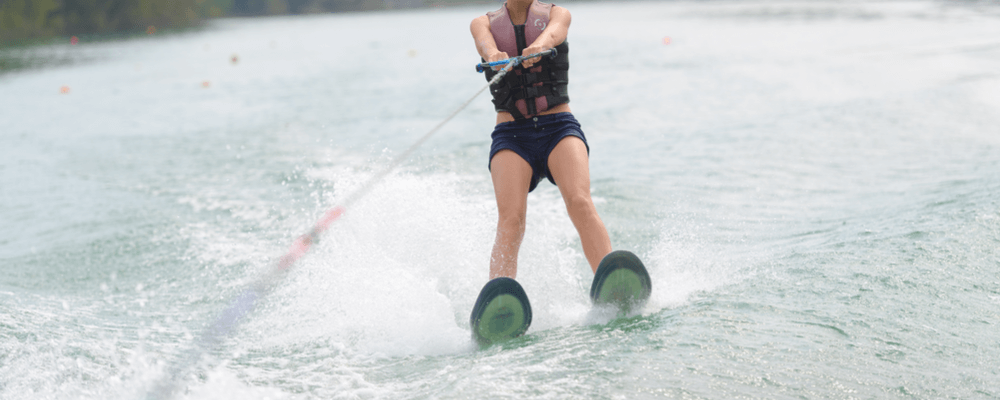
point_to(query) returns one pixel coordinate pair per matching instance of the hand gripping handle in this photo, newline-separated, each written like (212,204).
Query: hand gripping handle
(552,53)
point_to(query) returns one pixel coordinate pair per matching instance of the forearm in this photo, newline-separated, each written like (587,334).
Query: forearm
(557,30)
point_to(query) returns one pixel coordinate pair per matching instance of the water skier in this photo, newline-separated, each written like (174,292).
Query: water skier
(536,135)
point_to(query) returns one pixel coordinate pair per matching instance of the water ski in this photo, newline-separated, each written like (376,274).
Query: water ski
(501,312)
(621,281)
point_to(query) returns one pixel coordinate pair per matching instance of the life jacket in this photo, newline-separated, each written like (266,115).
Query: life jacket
(526,92)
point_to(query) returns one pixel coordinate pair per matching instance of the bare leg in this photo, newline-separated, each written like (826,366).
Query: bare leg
(511,178)
(568,163)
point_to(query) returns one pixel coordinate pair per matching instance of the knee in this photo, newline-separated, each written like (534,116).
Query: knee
(512,220)
(580,205)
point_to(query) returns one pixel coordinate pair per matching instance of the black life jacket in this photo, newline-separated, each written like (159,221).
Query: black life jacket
(526,92)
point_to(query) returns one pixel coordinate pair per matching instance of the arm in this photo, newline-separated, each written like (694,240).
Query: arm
(485,44)
(553,35)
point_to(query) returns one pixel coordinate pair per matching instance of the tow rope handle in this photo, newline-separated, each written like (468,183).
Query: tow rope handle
(552,53)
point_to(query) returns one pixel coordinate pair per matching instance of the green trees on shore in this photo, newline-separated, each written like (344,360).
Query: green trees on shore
(26,19)
(22,19)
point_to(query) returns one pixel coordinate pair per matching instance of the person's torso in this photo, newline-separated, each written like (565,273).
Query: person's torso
(539,90)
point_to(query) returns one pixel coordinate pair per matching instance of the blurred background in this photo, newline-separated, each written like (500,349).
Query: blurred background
(27,20)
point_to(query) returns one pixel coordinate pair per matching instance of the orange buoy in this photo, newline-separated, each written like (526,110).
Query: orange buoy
(74,40)
(666,40)
(206,84)
(64,90)
(150,30)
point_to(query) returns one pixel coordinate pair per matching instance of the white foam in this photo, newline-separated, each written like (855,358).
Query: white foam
(683,263)
(399,273)
(386,277)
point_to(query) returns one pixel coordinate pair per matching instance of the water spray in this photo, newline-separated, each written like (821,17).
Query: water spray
(245,303)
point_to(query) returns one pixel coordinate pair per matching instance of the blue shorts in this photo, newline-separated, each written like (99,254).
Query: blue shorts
(534,138)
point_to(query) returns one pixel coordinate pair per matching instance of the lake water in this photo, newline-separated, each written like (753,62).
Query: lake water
(814,187)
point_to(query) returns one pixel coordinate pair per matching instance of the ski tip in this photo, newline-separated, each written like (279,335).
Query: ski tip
(502,312)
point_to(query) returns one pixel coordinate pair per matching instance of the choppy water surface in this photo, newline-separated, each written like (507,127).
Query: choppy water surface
(814,187)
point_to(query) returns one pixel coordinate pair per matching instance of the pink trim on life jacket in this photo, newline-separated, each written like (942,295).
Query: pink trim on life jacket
(502,29)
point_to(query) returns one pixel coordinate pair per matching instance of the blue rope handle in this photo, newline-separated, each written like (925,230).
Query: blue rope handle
(552,53)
